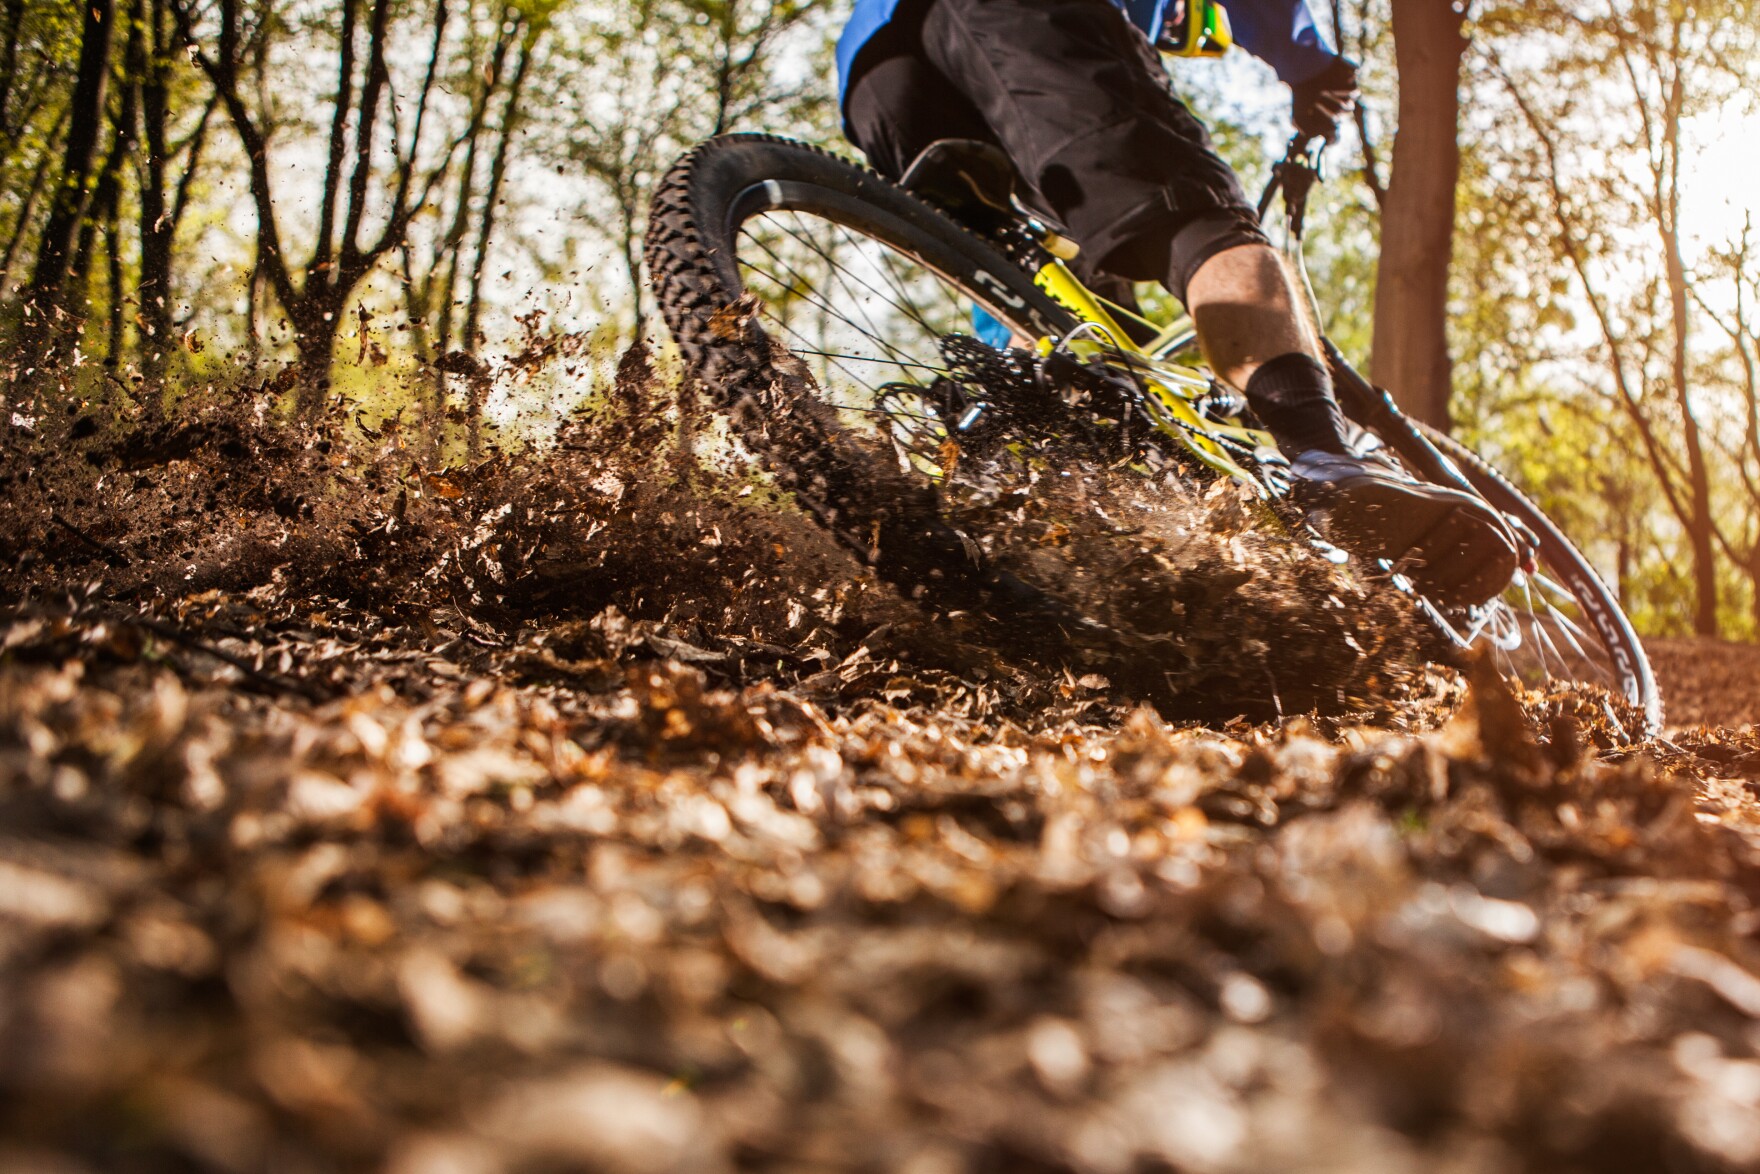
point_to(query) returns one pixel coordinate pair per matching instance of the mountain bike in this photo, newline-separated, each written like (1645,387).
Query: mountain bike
(861,335)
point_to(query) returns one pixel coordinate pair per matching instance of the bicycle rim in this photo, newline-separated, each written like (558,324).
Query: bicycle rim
(1557,624)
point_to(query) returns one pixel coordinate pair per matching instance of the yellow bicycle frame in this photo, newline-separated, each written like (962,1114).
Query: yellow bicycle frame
(1172,389)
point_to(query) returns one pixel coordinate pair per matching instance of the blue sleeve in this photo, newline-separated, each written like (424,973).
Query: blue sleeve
(1146,15)
(865,20)
(1281,33)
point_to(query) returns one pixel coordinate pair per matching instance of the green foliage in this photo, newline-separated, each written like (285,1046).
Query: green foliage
(39,41)
(637,84)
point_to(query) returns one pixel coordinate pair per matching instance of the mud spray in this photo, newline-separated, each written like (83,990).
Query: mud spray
(588,808)
(624,508)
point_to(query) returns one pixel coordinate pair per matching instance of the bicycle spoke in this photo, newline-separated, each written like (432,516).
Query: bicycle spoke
(838,272)
(806,285)
(868,331)
(848,285)
(1542,640)
(843,276)
(889,413)
(1575,634)
(1545,639)
(1568,629)
(903,301)
(866,358)
(838,359)
(1557,589)
(886,264)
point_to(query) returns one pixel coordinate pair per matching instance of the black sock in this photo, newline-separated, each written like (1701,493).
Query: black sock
(1292,394)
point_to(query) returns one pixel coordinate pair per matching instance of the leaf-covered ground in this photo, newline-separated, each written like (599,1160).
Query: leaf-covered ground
(582,813)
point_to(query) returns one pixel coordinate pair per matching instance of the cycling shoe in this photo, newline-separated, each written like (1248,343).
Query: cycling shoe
(1454,547)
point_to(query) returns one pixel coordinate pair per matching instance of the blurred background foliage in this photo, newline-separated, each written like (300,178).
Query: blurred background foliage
(428,213)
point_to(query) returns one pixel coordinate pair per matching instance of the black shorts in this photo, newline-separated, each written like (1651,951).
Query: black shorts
(1080,101)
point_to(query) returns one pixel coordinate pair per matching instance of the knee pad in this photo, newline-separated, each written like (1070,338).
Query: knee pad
(1203,238)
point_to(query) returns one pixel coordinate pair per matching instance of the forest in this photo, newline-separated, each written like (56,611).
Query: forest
(369,203)
(436,736)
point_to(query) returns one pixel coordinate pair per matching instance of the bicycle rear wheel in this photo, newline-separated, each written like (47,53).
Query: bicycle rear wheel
(815,302)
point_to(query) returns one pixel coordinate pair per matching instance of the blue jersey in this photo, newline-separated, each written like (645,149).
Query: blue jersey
(1281,33)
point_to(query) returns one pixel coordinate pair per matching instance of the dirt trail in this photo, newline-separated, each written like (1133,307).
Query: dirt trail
(1707,682)
(566,814)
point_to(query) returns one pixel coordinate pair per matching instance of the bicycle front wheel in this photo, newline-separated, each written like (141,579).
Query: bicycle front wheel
(1558,623)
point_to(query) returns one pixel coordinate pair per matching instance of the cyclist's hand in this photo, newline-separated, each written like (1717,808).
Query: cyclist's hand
(1319,104)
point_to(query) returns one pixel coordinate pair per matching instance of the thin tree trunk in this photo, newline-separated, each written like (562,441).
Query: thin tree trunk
(27,210)
(497,174)
(9,68)
(1622,575)
(467,182)
(106,200)
(630,245)
(1410,353)
(1702,530)
(155,227)
(323,254)
(113,255)
(54,248)
(724,68)
(449,248)
(76,297)
(253,332)
(1753,570)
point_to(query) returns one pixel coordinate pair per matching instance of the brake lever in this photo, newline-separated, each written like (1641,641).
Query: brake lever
(1302,168)
(1294,175)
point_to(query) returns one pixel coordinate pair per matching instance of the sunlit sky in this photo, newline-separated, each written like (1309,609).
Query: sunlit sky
(1722,183)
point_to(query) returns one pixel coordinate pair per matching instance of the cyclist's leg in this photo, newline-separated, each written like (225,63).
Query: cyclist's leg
(1256,335)
(1080,100)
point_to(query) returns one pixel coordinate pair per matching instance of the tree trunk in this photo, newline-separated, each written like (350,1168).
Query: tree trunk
(113,271)
(1622,574)
(510,118)
(1752,569)
(87,120)
(1702,526)
(9,69)
(316,319)
(1410,352)
(454,238)
(254,298)
(104,205)
(155,220)
(27,210)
